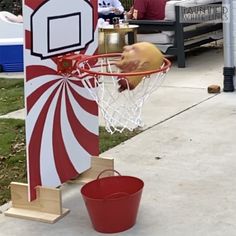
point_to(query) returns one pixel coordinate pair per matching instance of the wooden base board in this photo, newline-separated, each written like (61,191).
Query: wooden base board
(35,215)
(98,164)
(48,205)
(46,208)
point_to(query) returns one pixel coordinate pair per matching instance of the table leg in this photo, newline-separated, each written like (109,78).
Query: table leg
(132,37)
(105,42)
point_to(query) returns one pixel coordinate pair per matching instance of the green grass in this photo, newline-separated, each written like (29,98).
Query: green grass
(11,95)
(12,155)
(107,141)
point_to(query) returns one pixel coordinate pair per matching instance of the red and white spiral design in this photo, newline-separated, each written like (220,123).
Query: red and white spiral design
(62,118)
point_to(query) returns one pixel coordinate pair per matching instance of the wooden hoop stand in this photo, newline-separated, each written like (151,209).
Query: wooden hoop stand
(48,205)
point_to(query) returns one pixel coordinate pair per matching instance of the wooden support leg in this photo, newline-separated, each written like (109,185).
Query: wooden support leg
(98,164)
(46,208)
(48,205)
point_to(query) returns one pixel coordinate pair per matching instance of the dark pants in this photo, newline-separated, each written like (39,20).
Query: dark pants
(110,16)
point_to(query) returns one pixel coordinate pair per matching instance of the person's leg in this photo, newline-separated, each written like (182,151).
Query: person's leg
(102,16)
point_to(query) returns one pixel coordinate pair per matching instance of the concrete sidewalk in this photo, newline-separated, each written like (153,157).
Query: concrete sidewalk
(186,157)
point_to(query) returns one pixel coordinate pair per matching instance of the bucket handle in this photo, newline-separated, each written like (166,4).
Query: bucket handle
(102,172)
(117,195)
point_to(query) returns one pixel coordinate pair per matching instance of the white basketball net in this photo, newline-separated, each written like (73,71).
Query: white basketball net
(120,110)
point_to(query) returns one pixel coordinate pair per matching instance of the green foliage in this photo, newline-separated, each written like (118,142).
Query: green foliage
(13,6)
(127,4)
(12,155)
(11,95)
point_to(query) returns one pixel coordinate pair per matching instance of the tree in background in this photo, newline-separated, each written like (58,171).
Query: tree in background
(13,6)
(127,4)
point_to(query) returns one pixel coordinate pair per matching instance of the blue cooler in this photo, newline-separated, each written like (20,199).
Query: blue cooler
(11,55)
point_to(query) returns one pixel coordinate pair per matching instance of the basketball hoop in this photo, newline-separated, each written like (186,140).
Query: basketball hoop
(120,110)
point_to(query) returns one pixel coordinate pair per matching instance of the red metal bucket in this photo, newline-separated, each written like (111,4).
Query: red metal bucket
(112,202)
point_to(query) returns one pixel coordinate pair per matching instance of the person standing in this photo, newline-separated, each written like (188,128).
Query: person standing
(147,10)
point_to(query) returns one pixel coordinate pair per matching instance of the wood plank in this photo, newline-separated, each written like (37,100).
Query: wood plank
(48,199)
(46,208)
(35,215)
(98,164)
